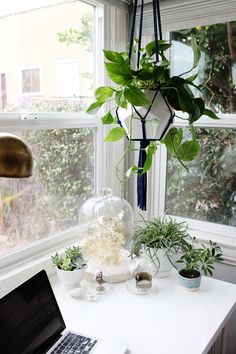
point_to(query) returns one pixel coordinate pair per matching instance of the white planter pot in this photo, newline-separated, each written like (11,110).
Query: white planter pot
(160,261)
(155,123)
(71,279)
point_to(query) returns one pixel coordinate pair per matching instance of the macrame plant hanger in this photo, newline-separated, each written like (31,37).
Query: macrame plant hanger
(144,142)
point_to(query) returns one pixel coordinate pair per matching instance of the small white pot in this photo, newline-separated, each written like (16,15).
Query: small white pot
(71,279)
(163,266)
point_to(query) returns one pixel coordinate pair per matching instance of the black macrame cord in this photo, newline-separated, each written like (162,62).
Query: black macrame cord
(144,142)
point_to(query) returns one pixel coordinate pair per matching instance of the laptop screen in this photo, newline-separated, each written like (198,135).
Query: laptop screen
(30,318)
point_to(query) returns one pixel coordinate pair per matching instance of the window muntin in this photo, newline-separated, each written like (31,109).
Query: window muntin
(42,36)
(47,203)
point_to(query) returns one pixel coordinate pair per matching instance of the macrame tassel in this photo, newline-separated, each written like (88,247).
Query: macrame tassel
(142,178)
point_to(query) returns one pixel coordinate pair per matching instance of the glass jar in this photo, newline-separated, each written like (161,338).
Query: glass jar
(108,206)
(98,281)
(140,279)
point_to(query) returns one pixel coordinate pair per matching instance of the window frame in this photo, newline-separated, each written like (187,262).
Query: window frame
(32,93)
(62,62)
(23,259)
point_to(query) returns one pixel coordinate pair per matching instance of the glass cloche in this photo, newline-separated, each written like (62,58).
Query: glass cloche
(108,206)
(109,222)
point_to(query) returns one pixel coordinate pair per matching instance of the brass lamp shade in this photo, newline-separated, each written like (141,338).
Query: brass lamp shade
(16,160)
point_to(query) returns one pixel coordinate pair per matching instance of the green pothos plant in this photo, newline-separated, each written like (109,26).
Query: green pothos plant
(128,90)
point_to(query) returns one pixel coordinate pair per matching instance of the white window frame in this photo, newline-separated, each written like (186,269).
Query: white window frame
(36,93)
(36,256)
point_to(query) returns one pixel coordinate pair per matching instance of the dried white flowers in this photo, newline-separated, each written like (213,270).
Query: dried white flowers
(105,240)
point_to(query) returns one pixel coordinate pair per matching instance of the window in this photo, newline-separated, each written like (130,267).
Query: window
(70,160)
(62,140)
(205,196)
(31,80)
(68,79)
(207,192)
(48,202)
(3,91)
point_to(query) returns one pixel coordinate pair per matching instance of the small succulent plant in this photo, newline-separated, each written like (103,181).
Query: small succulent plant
(71,260)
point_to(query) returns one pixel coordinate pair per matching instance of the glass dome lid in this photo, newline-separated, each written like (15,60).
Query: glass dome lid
(108,206)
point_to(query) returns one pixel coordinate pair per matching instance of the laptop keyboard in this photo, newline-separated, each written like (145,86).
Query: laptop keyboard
(74,344)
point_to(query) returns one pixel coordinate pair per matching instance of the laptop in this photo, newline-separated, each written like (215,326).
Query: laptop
(31,323)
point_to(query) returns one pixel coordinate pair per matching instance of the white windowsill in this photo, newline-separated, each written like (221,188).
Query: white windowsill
(25,267)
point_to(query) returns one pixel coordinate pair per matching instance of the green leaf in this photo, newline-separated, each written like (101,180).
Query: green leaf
(150,152)
(173,140)
(209,113)
(119,73)
(198,109)
(162,46)
(94,107)
(189,150)
(172,97)
(135,96)
(115,57)
(185,99)
(191,78)
(196,52)
(115,134)
(108,118)
(103,93)
(132,170)
(120,99)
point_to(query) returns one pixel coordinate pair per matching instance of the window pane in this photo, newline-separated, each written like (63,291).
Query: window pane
(30,81)
(26,81)
(217,66)
(35,80)
(208,191)
(41,34)
(49,201)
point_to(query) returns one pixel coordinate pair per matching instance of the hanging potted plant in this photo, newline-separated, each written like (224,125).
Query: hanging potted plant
(159,239)
(71,267)
(198,260)
(145,97)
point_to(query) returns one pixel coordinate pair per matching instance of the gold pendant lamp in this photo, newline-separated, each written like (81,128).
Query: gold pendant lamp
(16,160)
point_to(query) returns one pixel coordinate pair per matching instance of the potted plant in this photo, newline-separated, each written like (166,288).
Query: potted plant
(160,239)
(149,93)
(198,260)
(71,267)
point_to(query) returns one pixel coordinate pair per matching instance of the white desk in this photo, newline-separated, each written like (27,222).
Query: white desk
(172,321)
